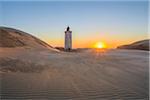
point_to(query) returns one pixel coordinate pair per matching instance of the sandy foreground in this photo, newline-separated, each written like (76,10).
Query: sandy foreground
(88,74)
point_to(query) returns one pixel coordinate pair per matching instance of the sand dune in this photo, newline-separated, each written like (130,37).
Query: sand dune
(87,75)
(139,45)
(31,69)
(10,38)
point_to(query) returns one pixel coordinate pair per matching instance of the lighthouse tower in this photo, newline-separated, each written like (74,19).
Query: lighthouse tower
(68,39)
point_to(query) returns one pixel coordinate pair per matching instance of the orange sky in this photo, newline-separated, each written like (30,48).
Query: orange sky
(90,42)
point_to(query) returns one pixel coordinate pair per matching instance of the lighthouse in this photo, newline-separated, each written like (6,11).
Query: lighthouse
(68,39)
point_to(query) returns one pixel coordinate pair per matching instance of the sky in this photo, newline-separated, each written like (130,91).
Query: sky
(112,22)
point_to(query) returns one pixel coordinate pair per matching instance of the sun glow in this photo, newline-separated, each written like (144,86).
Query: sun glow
(99,45)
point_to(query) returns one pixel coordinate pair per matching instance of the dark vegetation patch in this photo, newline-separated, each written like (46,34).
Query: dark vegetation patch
(72,50)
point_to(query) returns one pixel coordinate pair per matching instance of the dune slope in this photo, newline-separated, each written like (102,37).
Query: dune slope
(10,37)
(139,45)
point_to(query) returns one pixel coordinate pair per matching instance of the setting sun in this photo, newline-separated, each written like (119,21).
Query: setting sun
(100,45)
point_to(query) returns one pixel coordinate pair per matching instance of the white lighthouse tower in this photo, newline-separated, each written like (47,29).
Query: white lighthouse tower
(68,39)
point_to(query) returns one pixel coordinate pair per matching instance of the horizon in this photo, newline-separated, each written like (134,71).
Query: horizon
(113,22)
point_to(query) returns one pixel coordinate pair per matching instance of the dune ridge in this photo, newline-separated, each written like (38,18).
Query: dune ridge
(138,45)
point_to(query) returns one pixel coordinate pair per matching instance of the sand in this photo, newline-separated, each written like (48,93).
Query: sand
(86,75)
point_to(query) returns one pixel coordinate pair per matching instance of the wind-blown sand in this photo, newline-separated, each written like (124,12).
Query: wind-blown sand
(89,74)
